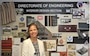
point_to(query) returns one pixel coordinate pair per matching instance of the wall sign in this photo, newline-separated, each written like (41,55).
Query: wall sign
(47,7)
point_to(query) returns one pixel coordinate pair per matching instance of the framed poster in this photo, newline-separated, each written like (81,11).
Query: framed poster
(50,45)
(71,47)
(21,24)
(63,53)
(7,30)
(71,53)
(55,54)
(81,50)
(78,13)
(61,41)
(29,20)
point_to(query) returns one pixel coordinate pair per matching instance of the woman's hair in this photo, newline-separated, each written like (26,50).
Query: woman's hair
(29,28)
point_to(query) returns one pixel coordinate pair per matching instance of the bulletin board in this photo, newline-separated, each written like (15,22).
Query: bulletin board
(63,26)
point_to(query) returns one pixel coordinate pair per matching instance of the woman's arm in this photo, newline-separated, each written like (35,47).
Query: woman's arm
(24,49)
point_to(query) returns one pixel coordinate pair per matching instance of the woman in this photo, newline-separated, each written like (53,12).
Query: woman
(33,46)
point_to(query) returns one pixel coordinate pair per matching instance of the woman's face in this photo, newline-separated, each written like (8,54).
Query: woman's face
(33,31)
